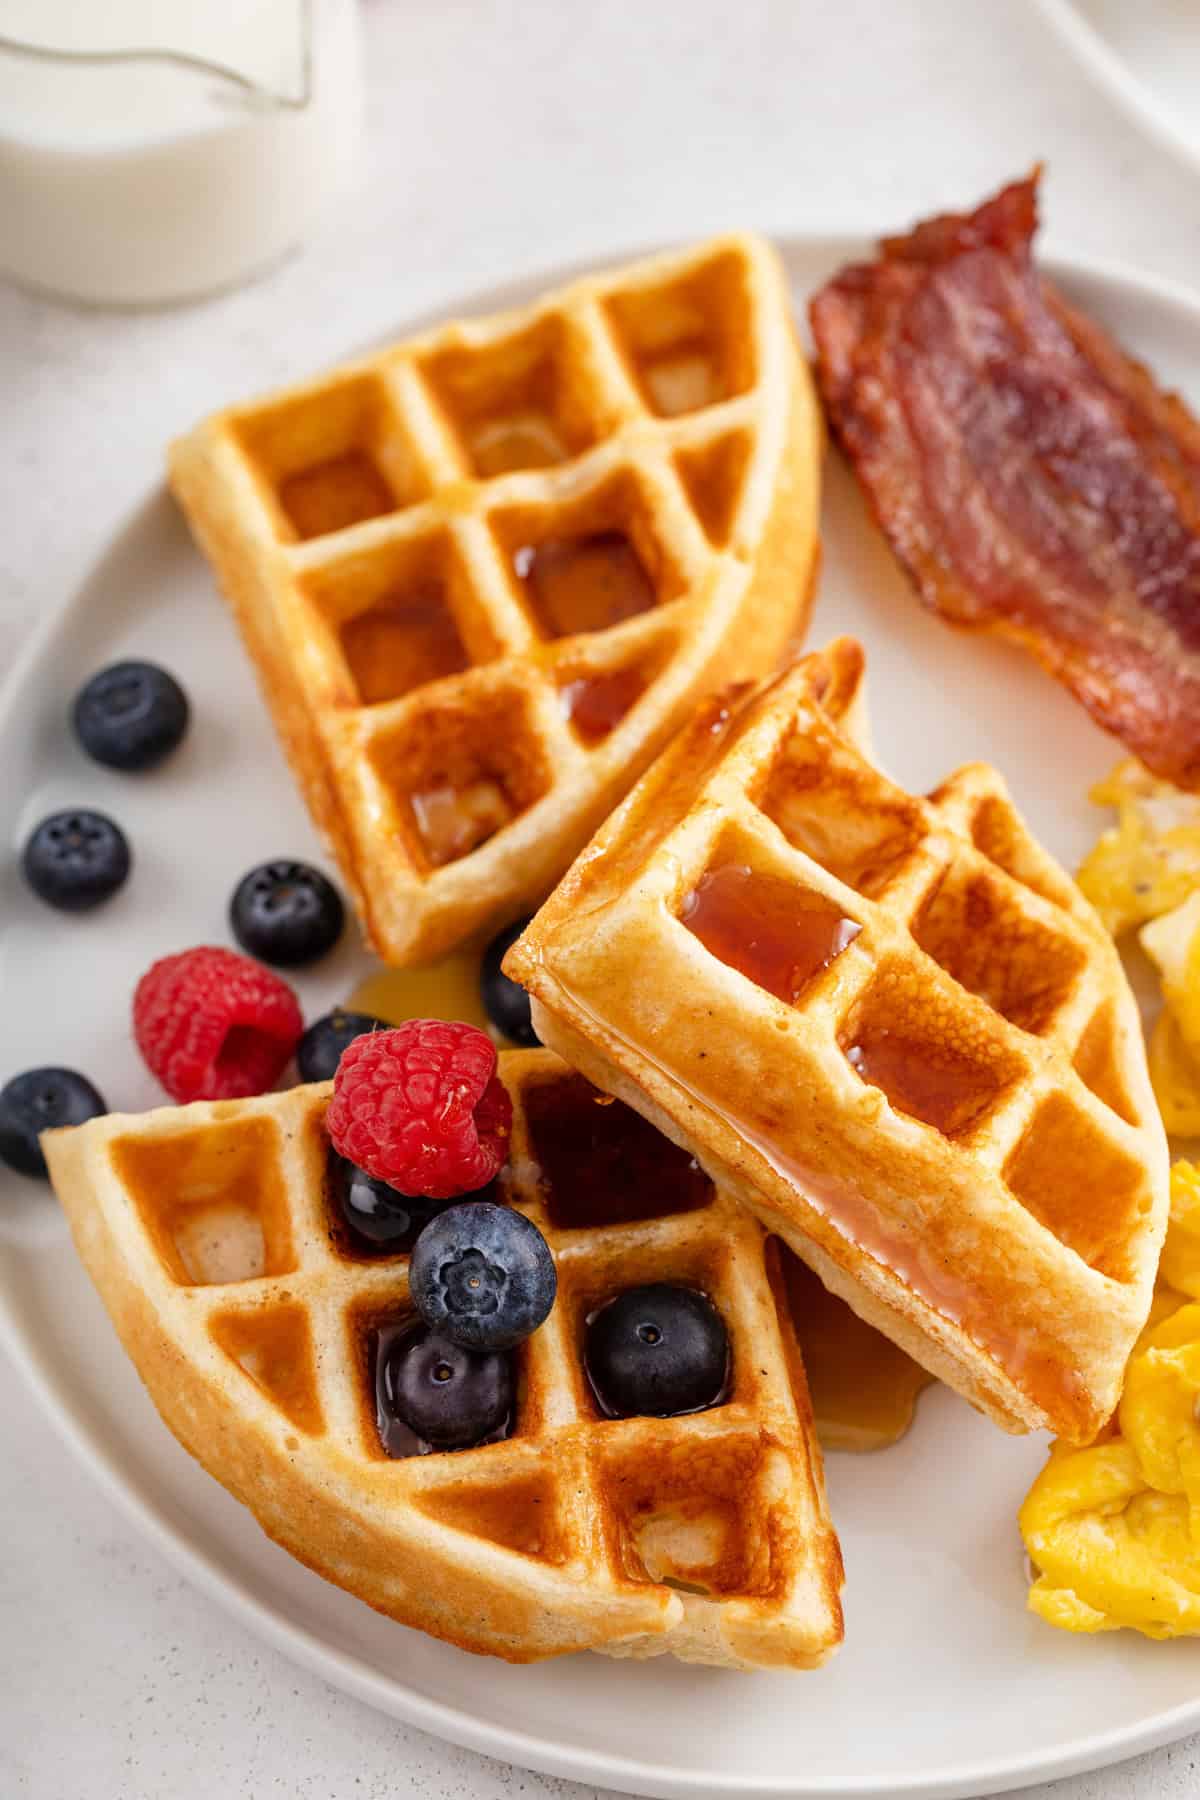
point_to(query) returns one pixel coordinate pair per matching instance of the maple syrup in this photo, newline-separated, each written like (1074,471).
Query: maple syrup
(864,1388)
(934,1085)
(596,704)
(397,1439)
(584,583)
(601,1163)
(926,1272)
(777,934)
(343,491)
(453,821)
(521,441)
(367,1219)
(448,989)
(861,1222)
(401,644)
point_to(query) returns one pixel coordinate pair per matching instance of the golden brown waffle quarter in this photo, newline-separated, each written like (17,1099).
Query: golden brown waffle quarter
(892,1025)
(484,574)
(209,1233)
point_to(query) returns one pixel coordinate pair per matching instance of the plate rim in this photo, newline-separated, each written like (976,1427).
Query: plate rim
(183,1548)
(1089,46)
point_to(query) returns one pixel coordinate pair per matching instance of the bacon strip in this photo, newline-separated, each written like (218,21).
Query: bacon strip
(1031,478)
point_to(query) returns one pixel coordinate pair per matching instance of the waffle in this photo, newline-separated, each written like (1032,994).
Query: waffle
(252,1321)
(891,1025)
(486,573)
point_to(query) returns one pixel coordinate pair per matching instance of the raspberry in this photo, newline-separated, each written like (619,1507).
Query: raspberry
(422,1108)
(212,1025)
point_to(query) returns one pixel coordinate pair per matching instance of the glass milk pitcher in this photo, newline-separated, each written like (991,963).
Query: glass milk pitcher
(156,150)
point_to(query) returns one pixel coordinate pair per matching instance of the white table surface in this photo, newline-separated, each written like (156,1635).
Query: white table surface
(503,138)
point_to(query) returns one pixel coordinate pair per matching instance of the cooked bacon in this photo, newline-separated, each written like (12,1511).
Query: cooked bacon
(1032,479)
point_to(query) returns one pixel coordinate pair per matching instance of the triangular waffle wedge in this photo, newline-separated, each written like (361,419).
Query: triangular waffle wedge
(893,1026)
(210,1234)
(485,574)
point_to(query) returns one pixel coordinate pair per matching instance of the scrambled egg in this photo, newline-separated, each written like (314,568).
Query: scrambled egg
(1175,1077)
(1114,1529)
(1145,872)
(1150,860)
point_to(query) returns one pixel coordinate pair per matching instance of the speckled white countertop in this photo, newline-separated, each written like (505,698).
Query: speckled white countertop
(502,139)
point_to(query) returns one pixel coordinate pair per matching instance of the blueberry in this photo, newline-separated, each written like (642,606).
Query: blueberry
(320,1049)
(41,1100)
(451,1397)
(286,913)
(506,1004)
(483,1275)
(76,859)
(131,715)
(660,1350)
(381,1221)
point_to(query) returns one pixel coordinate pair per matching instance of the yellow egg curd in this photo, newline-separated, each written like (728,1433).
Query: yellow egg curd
(1113,1529)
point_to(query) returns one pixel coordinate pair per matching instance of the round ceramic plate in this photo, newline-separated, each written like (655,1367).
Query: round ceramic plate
(1146,55)
(945,1685)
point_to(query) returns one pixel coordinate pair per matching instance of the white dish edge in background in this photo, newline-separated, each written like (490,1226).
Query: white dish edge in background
(1136,97)
(214,1542)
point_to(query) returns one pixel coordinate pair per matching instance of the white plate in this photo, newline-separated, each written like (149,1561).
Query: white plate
(1147,54)
(946,1685)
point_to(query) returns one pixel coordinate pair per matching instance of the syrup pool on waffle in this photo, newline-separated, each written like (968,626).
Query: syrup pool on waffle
(585,583)
(775,933)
